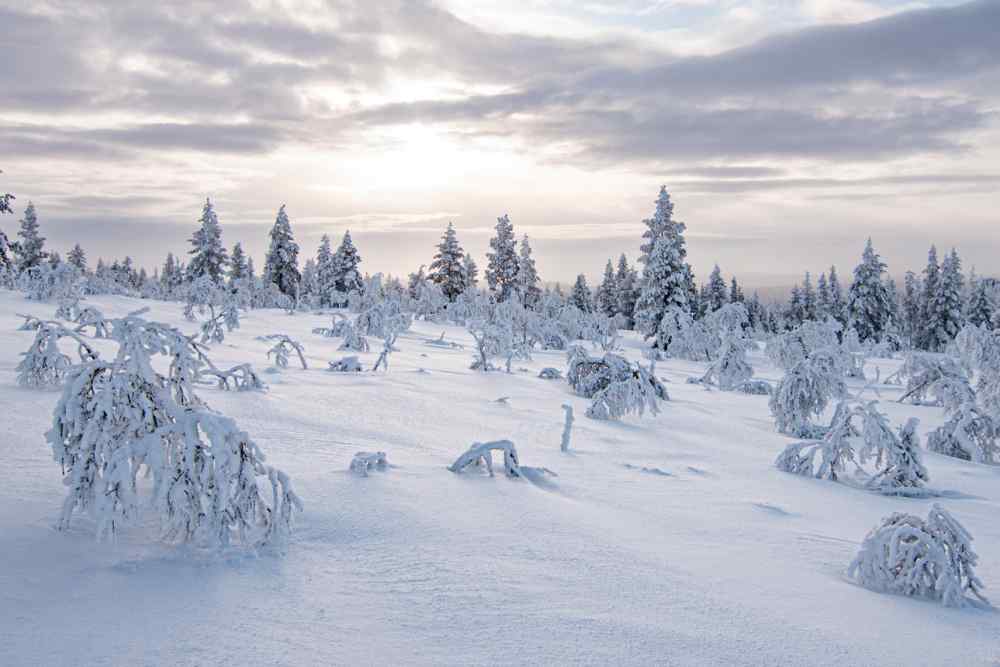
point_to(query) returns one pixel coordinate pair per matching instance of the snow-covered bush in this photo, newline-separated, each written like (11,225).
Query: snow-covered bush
(789,349)
(346,365)
(494,338)
(979,350)
(238,378)
(365,461)
(690,339)
(567,427)
(339,328)
(550,373)
(353,341)
(221,305)
(441,342)
(633,394)
(282,349)
(117,419)
(481,453)
(922,370)
(756,388)
(969,434)
(805,390)
(932,559)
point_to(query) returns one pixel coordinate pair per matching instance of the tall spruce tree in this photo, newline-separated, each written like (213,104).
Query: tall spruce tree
(502,261)
(30,249)
(945,311)
(208,255)
(627,281)
(910,308)
(527,275)
(447,269)
(326,272)
(77,258)
(346,262)
(471,271)
(716,291)
(809,300)
(735,291)
(664,287)
(238,264)
(607,292)
(869,311)
(281,267)
(926,338)
(979,310)
(838,307)
(823,309)
(581,296)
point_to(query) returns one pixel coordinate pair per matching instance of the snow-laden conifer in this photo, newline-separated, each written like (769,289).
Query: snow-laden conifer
(932,559)
(30,249)
(502,260)
(805,390)
(447,270)
(281,267)
(868,304)
(208,255)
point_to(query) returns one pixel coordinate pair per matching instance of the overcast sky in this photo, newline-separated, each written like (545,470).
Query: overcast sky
(786,130)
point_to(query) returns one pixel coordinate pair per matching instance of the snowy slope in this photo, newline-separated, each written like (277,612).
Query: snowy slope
(666,540)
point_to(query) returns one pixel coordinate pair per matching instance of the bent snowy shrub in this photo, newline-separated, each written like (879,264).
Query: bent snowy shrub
(481,453)
(969,434)
(933,559)
(805,390)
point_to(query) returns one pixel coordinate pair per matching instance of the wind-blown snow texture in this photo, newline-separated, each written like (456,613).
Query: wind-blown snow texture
(720,559)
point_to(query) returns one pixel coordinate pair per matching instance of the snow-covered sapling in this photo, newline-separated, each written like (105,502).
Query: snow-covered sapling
(904,473)
(969,434)
(282,349)
(238,378)
(482,453)
(365,461)
(932,559)
(805,390)
(337,329)
(117,417)
(354,340)
(567,427)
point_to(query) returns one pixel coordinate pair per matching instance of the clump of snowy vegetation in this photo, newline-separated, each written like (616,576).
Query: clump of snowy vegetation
(238,378)
(348,364)
(353,341)
(44,364)
(730,369)
(365,461)
(968,434)
(207,297)
(923,370)
(896,457)
(481,454)
(932,559)
(118,419)
(91,317)
(340,327)
(550,373)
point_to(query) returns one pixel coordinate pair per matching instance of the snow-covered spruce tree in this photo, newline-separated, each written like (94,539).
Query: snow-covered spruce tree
(664,286)
(239,267)
(607,292)
(979,308)
(805,390)
(910,323)
(281,267)
(346,261)
(502,260)
(77,258)
(208,255)
(471,272)
(945,318)
(838,305)
(172,276)
(117,417)
(5,200)
(730,368)
(715,291)
(326,274)
(868,305)
(527,276)
(30,250)
(932,559)
(581,296)
(927,338)
(447,268)
(626,281)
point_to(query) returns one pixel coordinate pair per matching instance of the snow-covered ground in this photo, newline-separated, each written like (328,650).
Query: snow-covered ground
(665,540)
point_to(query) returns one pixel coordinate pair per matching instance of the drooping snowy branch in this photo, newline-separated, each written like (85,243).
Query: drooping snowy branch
(481,453)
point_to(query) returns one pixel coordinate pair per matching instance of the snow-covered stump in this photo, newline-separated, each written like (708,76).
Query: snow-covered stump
(365,461)
(567,427)
(932,559)
(346,365)
(482,453)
